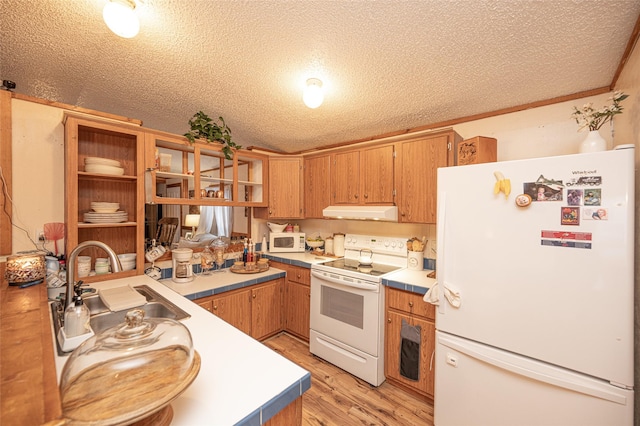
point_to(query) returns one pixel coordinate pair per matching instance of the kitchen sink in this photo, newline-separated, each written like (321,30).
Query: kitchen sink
(102,318)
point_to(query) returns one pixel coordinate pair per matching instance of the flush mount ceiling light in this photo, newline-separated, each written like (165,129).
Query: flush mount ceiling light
(120,17)
(313,95)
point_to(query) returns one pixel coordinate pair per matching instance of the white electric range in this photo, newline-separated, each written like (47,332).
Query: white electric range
(347,305)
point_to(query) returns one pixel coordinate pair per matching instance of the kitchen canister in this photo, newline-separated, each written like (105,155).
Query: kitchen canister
(328,245)
(84,266)
(338,245)
(415,260)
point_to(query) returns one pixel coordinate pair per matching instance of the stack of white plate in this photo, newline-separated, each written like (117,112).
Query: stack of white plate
(104,166)
(115,217)
(103,207)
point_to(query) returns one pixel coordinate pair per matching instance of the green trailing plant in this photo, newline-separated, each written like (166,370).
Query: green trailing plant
(203,127)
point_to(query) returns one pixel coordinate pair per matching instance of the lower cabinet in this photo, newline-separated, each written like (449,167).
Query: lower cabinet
(409,355)
(297,299)
(266,309)
(255,310)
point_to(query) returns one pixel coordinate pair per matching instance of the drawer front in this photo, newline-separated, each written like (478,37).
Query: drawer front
(299,275)
(411,303)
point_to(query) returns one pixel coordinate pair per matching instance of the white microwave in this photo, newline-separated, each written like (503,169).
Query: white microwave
(286,242)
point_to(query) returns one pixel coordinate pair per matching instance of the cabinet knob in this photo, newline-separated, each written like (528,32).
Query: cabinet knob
(215,307)
(411,304)
(366,196)
(253,295)
(389,320)
(355,196)
(270,212)
(402,214)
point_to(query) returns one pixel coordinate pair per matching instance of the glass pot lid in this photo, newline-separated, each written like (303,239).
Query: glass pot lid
(129,371)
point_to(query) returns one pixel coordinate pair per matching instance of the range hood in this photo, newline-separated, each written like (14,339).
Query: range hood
(382,213)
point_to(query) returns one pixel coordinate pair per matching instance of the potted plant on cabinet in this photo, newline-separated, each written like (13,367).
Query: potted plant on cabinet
(203,127)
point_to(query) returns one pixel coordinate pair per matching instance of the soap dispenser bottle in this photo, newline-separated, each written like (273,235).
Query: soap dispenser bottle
(76,316)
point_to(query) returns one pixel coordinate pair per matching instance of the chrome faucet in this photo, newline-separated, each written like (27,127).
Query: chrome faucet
(71,264)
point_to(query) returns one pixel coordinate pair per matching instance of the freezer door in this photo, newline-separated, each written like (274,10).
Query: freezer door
(533,281)
(479,385)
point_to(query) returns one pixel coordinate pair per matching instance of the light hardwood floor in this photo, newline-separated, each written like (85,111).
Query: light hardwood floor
(338,398)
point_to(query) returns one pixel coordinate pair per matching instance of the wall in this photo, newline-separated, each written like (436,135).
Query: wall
(38,171)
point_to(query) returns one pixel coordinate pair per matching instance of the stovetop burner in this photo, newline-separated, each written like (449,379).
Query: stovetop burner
(353,265)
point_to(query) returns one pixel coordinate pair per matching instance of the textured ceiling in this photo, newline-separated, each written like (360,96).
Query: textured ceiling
(386,65)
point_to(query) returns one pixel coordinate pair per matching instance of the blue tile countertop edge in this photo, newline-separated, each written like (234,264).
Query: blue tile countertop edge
(404,286)
(235,286)
(279,402)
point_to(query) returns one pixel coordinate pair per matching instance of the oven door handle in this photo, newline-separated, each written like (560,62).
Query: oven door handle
(369,287)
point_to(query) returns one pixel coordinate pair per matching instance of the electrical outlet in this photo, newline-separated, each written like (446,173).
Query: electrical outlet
(40,235)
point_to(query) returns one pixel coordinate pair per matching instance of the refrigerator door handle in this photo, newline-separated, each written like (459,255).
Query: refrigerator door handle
(535,370)
(442,200)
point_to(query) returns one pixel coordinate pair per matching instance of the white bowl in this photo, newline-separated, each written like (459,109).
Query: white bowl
(315,243)
(276,227)
(127,257)
(128,266)
(105,209)
(103,169)
(102,161)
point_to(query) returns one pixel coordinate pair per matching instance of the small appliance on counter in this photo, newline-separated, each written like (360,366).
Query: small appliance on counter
(182,268)
(287,242)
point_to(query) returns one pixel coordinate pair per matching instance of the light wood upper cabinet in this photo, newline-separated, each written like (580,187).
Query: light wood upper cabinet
(317,185)
(285,189)
(202,173)
(345,178)
(123,143)
(377,176)
(364,176)
(417,164)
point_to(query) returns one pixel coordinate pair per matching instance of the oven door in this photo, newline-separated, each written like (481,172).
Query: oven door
(347,310)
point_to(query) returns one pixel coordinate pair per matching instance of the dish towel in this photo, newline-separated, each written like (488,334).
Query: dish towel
(433,295)
(121,298)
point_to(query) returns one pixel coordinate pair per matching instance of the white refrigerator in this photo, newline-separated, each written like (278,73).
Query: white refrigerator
(534,324)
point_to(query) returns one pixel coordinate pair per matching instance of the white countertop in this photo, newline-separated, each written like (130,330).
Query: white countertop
(238,377)
(410,278)
(298,258)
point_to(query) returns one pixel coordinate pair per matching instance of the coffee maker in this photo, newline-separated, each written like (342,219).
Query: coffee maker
(182,268)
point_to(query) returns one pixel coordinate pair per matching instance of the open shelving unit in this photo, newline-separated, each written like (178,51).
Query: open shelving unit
(89,137)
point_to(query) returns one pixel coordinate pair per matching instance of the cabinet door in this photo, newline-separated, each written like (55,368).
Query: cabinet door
(297,309)
(420,159)
(285,188)
(234,308)
(377,175)
(317,186)
(206,304)
(266,309)
(345,183)
(393,343)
